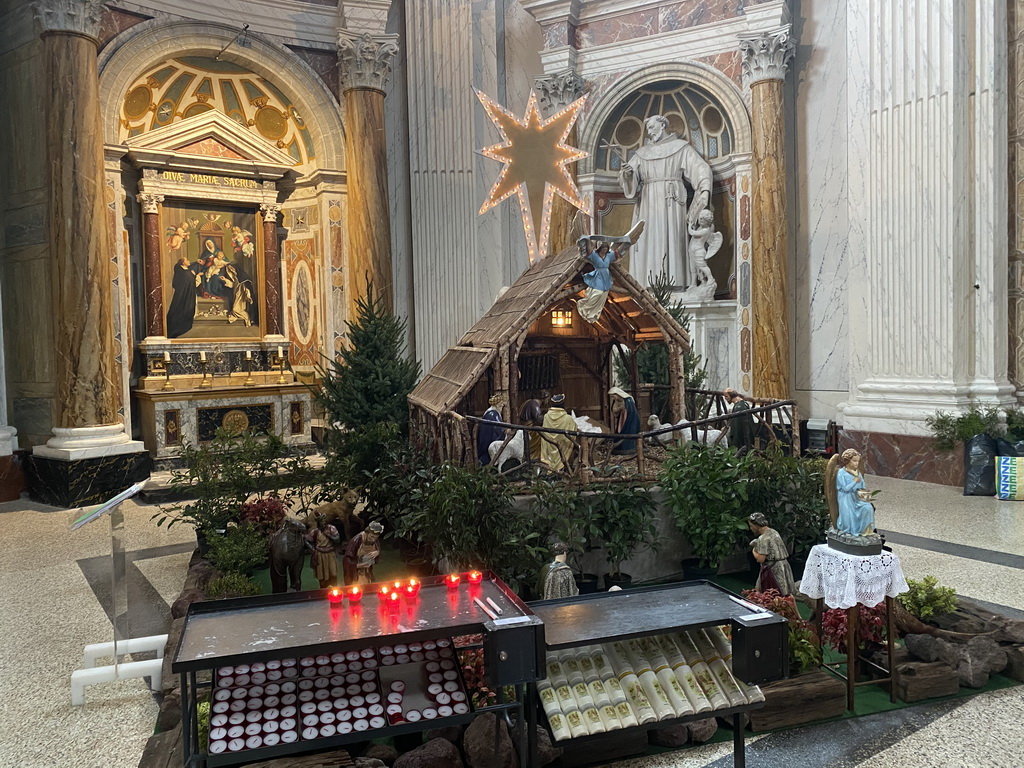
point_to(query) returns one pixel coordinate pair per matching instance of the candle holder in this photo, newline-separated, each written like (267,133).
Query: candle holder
(354,594)
(164,367)
(249,380)
(475,577)
(278,361)
(452,580)
(206,383)
(335,595)
(412,589)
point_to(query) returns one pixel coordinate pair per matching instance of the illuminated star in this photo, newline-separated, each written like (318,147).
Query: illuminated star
(535,156)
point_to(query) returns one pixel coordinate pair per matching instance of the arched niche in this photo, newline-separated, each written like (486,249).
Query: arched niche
(134,51)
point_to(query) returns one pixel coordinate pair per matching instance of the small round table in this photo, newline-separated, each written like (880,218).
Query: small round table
(839,580)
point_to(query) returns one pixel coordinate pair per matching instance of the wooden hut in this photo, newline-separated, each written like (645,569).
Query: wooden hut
(533,339)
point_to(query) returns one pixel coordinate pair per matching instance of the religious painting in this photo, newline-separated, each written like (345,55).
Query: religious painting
(211,258)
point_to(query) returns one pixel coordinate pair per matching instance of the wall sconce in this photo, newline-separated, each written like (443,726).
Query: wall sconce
(561,318)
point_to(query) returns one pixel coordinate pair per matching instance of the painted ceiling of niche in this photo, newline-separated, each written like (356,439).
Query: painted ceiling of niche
(183,87)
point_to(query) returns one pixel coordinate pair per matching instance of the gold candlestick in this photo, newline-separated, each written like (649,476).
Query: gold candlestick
(279,361)
(205,383)
(249,380)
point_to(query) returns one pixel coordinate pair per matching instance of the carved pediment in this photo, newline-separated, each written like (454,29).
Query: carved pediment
(210,142)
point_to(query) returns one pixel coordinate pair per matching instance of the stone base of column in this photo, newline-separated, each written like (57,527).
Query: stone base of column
(85,465)
(908,457)
(12,479)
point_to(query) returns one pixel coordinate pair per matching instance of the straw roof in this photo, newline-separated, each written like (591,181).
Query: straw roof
(631,314)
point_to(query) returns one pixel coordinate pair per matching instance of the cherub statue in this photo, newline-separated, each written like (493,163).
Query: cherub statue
(704,243)
(849,505)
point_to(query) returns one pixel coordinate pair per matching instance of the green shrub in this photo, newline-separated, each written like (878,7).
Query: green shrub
(624,515)
(926,599)
(707,490)
(232,585)
(240,549)
(789,491)
(951,430)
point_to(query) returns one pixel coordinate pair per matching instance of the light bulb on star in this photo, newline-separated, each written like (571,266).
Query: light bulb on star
(535,157)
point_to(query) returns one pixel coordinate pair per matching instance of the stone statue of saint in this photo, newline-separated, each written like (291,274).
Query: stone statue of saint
(556,579)
(656,171)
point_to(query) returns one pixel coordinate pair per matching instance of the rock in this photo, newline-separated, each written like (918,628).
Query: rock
(924,647)
(180,607)
(383,752)
(199,576)
(546,751)
(478,744)
(702,730)
(439,753)
(168,680)
(369,762)
(976,661)
(170,712)
(1015,663)
(452,733)
(671,736)
(1011,632)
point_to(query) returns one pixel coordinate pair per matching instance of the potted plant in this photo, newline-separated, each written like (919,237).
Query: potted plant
(707,490)
(624,515)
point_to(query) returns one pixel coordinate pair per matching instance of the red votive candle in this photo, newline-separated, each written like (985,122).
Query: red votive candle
(354,594)
(475,577)
(452,580)
(397,586)
(335,595)
(412,588)
(393,601)
(383,592)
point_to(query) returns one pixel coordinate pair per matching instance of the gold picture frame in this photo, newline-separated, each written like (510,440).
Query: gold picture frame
(212,279)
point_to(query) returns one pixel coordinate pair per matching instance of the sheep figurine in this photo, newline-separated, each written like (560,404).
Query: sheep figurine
(705,436)
(516,448)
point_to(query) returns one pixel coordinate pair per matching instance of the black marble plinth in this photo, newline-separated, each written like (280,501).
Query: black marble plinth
(84,481)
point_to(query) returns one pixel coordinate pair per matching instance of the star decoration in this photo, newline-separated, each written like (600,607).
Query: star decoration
(535,156)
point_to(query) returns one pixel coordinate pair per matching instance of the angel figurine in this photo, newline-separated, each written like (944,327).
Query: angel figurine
(852,513)
(704,243)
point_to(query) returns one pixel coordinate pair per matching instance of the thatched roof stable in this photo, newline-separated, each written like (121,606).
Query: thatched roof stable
(631,316)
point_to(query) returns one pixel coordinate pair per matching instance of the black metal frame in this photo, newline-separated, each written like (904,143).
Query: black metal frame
(190,686)
(739,743)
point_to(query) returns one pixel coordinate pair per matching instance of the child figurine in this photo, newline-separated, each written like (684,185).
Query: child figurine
(704,243)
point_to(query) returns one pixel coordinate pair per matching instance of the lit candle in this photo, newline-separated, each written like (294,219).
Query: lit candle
(335,594)
(355,594)
(248,354)
(397,586)
(412,588)
(167,357)
(393,601)
(202,355)
(452,580)
(382,593)
(475,577)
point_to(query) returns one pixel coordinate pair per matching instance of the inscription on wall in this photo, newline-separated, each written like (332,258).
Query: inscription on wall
(186,177)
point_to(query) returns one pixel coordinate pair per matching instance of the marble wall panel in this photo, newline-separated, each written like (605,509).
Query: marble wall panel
(303,300)
(730,63)
(323,62)
(24,226)
(115,21)
(627,26)
(821,273)
(910,457)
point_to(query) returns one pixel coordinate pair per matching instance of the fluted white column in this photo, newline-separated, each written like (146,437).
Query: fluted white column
(928,207)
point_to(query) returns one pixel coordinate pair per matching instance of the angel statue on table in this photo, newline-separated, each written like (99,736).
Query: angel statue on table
(849,505)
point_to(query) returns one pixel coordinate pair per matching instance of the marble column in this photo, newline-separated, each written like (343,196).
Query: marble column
(765,61)
(88,386)
(1016,191)
(365,66)
(556,92)
(271,269)
(151,263)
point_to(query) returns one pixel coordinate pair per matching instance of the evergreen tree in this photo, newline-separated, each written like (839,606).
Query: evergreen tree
(368,383)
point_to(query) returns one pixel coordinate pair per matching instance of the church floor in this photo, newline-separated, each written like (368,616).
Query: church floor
(57,598)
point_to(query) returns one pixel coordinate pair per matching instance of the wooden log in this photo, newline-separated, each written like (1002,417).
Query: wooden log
(918,680)
(164,750)
(802,699)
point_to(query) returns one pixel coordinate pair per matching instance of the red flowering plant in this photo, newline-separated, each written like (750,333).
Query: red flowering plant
(265,515)
(870,627)
(804,647)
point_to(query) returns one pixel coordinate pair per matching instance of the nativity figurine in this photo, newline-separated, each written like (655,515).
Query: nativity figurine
(853,514)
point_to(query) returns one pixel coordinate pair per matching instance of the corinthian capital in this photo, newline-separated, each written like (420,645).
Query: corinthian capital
(270,211)
(150,203)
(559,90)
(365,59)
(78,16)
(767,56)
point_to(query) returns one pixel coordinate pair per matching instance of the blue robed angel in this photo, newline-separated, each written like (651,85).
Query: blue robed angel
(851,514)
(600,279)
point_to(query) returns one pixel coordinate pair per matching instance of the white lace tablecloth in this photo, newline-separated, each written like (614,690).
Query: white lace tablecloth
(846,580)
